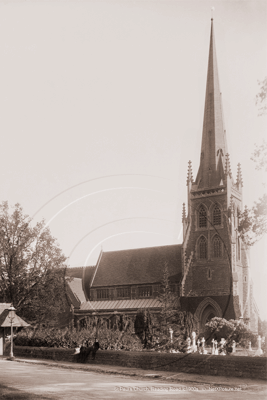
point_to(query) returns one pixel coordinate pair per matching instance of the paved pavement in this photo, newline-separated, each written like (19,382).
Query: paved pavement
(151,374)
(44,379)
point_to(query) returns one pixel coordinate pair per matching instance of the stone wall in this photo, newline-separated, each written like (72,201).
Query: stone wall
(238,366)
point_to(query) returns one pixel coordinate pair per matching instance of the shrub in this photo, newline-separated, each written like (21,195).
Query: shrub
(66,338)
(219,328)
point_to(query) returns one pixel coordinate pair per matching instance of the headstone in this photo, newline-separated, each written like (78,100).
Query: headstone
(204,351)
(194,347)
(222,347)
(188,349)
(213,347)
(171,333)
(259,350)
(216,347)
(234,346)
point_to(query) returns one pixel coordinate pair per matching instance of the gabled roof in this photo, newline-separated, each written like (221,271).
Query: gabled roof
(76,272)
(87,279)
(4,306)
(17,321)
(75,292)
(138,266)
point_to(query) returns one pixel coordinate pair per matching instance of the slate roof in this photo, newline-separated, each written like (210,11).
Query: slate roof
(76,293)
(17,321)
(119,305)
(87,279)
(138,266)
(76,272)
(4,306)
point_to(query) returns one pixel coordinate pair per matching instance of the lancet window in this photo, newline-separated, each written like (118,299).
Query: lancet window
(202,219)
(217,247)
(203,248)
(217,218)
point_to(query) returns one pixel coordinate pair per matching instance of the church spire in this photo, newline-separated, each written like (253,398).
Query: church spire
(213,147)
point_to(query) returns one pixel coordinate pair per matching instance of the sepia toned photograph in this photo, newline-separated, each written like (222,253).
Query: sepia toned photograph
(133,199)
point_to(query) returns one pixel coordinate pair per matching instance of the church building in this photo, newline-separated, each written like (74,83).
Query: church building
(210,270)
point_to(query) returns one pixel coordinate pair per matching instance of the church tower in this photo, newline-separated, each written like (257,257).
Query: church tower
(215,264)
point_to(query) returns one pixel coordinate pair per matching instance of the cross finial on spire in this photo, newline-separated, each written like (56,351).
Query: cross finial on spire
(212,9)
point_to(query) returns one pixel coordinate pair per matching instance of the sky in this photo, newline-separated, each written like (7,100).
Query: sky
(101,108)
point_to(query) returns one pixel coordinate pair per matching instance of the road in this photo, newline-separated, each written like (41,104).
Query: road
(29,382)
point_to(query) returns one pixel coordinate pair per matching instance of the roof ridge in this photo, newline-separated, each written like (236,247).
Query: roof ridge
(141,248)
(86,266)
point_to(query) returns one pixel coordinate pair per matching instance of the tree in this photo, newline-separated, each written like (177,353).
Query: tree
(219,328)
(169,303)
(261,98)
(253,221)
(260,156)
(262,328)
(143,327)
(32,267)
(182,323)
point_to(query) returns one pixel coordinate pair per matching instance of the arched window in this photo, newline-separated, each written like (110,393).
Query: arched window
(217,247)
(202,219)
(202,248)
(217,215)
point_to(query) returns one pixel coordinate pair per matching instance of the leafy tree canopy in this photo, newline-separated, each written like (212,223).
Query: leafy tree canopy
(261,98)
(253,221)
(32,266)
(230,330)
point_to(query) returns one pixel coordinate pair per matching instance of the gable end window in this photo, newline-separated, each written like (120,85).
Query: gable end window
(202,218)
(102,294)
(217,219)
(202,248)
(145,291)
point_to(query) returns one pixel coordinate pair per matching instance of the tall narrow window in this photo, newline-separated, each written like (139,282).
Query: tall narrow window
(238,248)
(123,292)
(202,248)
(217,215)
(217,247)
(202,217)
(102,293)
(145,291)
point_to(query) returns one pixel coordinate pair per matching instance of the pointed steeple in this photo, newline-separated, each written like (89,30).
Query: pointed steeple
(213,147)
